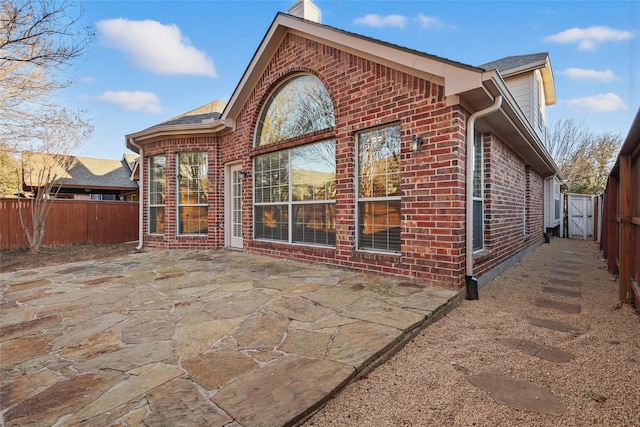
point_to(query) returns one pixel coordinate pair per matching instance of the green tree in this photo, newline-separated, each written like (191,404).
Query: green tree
(585,157)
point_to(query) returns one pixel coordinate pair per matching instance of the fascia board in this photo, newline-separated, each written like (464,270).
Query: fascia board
(548,83)
(172,130)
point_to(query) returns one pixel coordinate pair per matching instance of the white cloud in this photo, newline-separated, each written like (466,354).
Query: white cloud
(373,20)
(590,75)
(155,47)
(603,103)
(588,39)
(132,101)
(429,21)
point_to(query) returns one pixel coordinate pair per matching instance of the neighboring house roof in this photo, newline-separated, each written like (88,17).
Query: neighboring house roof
(130,159)
(82,172)
(518,64)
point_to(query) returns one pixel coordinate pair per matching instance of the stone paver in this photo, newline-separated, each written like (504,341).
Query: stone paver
(269,398)
(553,324)
(212,338)
(551,353)
(561,292)
(517,394)
(564,307)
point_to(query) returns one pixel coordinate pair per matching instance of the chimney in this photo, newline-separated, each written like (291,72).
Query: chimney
(306,10)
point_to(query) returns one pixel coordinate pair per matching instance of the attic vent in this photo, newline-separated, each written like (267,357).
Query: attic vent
(306,10)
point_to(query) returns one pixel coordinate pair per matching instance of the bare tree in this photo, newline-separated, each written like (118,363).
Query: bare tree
(39,42)
(584,156)
(44,165)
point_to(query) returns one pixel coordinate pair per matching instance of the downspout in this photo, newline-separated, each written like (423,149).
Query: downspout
(140,195)
(472,282)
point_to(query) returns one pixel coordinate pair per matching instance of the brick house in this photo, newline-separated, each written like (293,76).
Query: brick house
(348,151)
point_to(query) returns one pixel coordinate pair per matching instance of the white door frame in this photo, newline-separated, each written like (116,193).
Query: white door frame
(233,206)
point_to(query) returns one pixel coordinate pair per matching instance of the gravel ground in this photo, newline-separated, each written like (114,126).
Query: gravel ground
(425,383)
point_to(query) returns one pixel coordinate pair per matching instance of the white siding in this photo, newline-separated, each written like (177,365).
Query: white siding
(521,88)
(528,91)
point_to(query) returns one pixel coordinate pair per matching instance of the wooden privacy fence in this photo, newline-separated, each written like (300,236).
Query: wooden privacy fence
(71,222)
(620,240)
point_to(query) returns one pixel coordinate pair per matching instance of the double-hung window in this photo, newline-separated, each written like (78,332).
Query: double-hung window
(379,189)
(478,194)
(157,169)
(192,193)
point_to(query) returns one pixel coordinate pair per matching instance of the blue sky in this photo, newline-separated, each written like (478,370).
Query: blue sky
(154,60)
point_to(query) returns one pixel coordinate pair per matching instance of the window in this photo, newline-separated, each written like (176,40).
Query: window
(103,197)
(192,193)
(157,168)
(379,189)
(294,194)
(478,194)
(300,106)
(294,190)
(556,200)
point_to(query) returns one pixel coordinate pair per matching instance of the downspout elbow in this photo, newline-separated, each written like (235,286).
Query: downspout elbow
(140,195)
(472,282)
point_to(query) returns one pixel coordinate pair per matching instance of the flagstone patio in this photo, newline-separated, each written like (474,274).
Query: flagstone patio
(201,337)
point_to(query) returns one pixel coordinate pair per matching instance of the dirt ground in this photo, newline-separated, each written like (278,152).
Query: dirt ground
(20,259)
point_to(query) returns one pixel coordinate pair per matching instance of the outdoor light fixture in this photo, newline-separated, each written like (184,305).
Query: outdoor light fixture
(416,143)
(245,174)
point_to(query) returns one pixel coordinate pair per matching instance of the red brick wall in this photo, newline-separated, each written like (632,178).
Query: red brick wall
(366,94)
(514,212)
(170,147)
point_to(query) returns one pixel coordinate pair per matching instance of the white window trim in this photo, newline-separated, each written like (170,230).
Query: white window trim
(149,205)
(359,199)
(290,204)
(481,198)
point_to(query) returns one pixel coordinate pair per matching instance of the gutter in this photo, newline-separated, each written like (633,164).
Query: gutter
(472,282)
(140,195)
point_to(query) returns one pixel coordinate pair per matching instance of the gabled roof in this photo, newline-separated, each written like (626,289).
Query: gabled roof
(474,88)
(459,76)
(519,64)
(83,172)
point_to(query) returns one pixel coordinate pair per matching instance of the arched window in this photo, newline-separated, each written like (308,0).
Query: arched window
(295,189)
(300,106)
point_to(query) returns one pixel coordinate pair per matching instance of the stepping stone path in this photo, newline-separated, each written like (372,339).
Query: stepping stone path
(523,395)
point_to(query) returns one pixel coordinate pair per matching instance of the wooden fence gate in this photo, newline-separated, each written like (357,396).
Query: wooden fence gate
(580,215)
